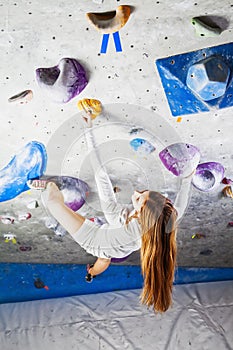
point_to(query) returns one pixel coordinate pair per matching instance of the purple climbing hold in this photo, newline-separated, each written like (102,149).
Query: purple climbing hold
(64,81)
(75,191)
(208,176)
(180,158)
(25,248)
(227,181)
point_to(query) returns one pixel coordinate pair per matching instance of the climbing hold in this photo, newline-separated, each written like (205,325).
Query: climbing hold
(33,204)
(206,252)
(54,225)
(208,78)
(7,220)
(116,189)
(64,81)
(59,231)
(142,146)
(173,73)
(227,191)
(230,223)
(10,237)
(135,130)
(226,181)
(91,106)
(29,163)
(25,248)
(74,190)
(24,217)
(37,184)
(50,222)
(204,29)
(23,97)
(198,236)
(180,158)
(110,22)
(208,176)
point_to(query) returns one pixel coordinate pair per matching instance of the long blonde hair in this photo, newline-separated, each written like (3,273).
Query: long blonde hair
(158,251)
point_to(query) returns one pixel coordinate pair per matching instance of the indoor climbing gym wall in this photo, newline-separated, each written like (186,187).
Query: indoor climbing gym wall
(157,78)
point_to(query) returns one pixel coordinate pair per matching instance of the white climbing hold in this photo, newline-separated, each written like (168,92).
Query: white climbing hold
(203,29)
(10,237)
(7,220)
(24,217)
(23,97)
(32,205)
(98,1)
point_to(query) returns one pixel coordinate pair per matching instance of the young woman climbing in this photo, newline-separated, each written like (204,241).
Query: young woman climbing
(150,225)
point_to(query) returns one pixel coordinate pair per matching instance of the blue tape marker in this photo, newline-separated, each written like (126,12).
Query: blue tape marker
(104,43)
(117,41)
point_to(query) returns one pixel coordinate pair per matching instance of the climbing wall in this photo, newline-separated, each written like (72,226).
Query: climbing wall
(122,71)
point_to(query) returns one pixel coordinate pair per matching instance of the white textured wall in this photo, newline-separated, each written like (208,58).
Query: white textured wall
(39,33)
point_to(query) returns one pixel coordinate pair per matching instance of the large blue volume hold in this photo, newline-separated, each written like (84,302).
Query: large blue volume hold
(29,163)
(173,72)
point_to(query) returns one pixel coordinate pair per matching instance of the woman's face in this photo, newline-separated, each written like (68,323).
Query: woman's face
(139,198)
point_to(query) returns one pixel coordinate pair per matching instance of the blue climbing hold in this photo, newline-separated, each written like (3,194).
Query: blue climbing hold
(141,146)
(29,163)
(208,78)
(182,98)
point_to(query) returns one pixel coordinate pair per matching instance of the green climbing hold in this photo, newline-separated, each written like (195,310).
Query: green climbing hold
(204,29)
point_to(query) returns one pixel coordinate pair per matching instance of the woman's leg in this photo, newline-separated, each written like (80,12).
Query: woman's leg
(99,266)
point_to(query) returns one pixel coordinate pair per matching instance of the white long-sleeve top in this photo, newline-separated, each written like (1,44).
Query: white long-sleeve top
(115,239)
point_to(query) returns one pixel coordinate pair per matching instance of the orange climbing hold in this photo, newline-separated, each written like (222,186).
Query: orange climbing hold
(110,22)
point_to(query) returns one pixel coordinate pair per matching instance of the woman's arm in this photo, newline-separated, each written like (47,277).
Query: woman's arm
(70,220)
(54,201)
(183,196)
(109,205)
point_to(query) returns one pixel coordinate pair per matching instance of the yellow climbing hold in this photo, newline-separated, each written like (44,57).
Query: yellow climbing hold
(198,236)
(91,106)
(227,191)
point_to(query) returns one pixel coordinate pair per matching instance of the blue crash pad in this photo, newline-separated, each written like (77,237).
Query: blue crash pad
(24,282)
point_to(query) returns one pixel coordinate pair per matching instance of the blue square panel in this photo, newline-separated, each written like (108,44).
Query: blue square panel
(173,72)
